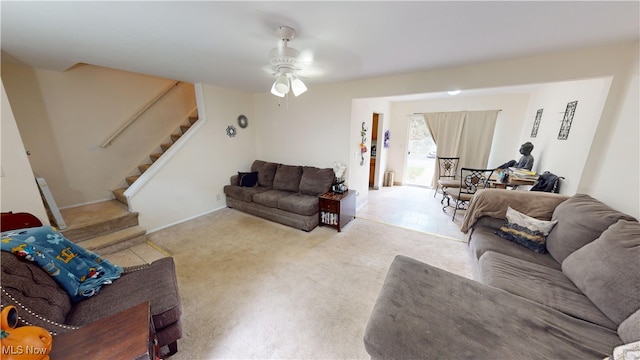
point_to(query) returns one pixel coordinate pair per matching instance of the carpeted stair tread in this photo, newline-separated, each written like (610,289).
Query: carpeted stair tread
(132,179)
(166,146)
(175,137)
(87,221)
(119,194)
(115,241)
(155,156)
(144,167)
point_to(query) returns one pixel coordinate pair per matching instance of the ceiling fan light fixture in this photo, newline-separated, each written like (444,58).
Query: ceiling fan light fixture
(275,92)
(297,86)
(282,84)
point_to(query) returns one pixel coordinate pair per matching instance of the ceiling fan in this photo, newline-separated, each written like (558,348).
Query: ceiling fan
(284,63)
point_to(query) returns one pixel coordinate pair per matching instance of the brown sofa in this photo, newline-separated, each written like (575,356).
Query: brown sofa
(578,299)
(287,194)
(42,302)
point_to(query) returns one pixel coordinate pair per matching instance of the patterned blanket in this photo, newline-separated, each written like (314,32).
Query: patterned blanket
(79,271)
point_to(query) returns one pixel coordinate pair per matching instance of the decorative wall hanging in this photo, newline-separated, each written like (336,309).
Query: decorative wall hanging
(387,137)
(243,122)
(363,147)
(536,123)
(567,120)
(231,131)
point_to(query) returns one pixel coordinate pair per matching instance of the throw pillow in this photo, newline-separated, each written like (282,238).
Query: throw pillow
(526,231)
(248,179)
(605,270)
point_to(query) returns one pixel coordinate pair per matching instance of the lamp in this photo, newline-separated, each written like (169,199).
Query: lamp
(297,86)
(285,82)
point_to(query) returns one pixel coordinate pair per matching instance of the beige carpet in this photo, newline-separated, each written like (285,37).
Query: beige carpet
(254,289)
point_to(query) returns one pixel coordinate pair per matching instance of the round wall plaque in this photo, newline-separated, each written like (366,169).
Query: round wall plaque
(231,131)
(243,121)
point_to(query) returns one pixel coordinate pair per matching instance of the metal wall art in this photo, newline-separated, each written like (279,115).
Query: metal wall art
(536,123)
(567,120)
(231,131)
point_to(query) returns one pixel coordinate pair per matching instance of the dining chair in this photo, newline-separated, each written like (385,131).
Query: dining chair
(471,180)
(447,172)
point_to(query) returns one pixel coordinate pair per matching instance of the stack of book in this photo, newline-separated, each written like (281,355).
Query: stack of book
(523,173)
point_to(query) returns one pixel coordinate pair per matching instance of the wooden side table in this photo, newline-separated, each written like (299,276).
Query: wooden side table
(336,210)
(128,334)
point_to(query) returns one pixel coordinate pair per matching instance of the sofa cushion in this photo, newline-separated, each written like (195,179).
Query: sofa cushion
(540,284)
(581,219)
(155,283)
(266,172)
(483,239)
(24,282)
(525,230)
(247,179)
(424,312)
(316,181)
(606,270)
(299,204)
(287,178)
(629,329)
(270,198)
(243,193)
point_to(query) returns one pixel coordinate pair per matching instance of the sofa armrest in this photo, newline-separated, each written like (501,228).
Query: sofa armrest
(494,203)
(233,180)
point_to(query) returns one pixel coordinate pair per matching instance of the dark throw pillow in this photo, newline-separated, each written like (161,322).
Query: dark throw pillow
(526,231)
(248,179)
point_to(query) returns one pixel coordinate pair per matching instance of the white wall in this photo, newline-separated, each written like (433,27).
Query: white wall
(612,172)
(565,158)
(64,117)
(191,183)
(19,190)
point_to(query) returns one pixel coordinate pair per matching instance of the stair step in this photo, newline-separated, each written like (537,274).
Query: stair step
(143,168)
(193,119)
(115,241)
(184,128)
(132,179)
(175,137)
(155,156)
(119,194)
(166,146)
(97,219)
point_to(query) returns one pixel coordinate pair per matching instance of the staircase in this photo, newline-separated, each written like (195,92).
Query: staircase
(119,193)
(104,227)
(108,226)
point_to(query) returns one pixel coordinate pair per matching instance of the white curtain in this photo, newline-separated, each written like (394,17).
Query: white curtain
(477,135)
(464,134)
(446,130)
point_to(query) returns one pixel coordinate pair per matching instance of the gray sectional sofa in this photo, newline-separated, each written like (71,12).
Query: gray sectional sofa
(577,299)
(287,194)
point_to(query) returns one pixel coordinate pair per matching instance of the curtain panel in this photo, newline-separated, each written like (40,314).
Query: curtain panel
(464,134)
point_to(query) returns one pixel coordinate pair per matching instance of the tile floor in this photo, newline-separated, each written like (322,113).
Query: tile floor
(412,207)
(409,207)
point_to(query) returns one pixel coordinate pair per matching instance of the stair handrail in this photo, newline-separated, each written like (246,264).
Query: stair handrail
(138,114)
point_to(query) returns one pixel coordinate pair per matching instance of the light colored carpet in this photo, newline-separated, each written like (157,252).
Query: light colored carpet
(254,289)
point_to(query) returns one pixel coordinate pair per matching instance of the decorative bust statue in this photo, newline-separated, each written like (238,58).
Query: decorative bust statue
(526,161)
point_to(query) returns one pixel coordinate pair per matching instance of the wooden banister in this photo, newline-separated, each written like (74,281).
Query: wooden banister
(138,114)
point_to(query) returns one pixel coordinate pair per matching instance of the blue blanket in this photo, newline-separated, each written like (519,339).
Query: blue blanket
(79,271)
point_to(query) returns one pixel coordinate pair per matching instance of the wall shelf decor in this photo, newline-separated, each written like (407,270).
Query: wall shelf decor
(536,123)
(567,120)
(387,137)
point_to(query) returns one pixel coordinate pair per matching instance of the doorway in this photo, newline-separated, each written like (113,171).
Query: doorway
(374,152)
(421,153)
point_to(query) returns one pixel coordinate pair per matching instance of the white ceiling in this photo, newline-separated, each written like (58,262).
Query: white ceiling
(226,43)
